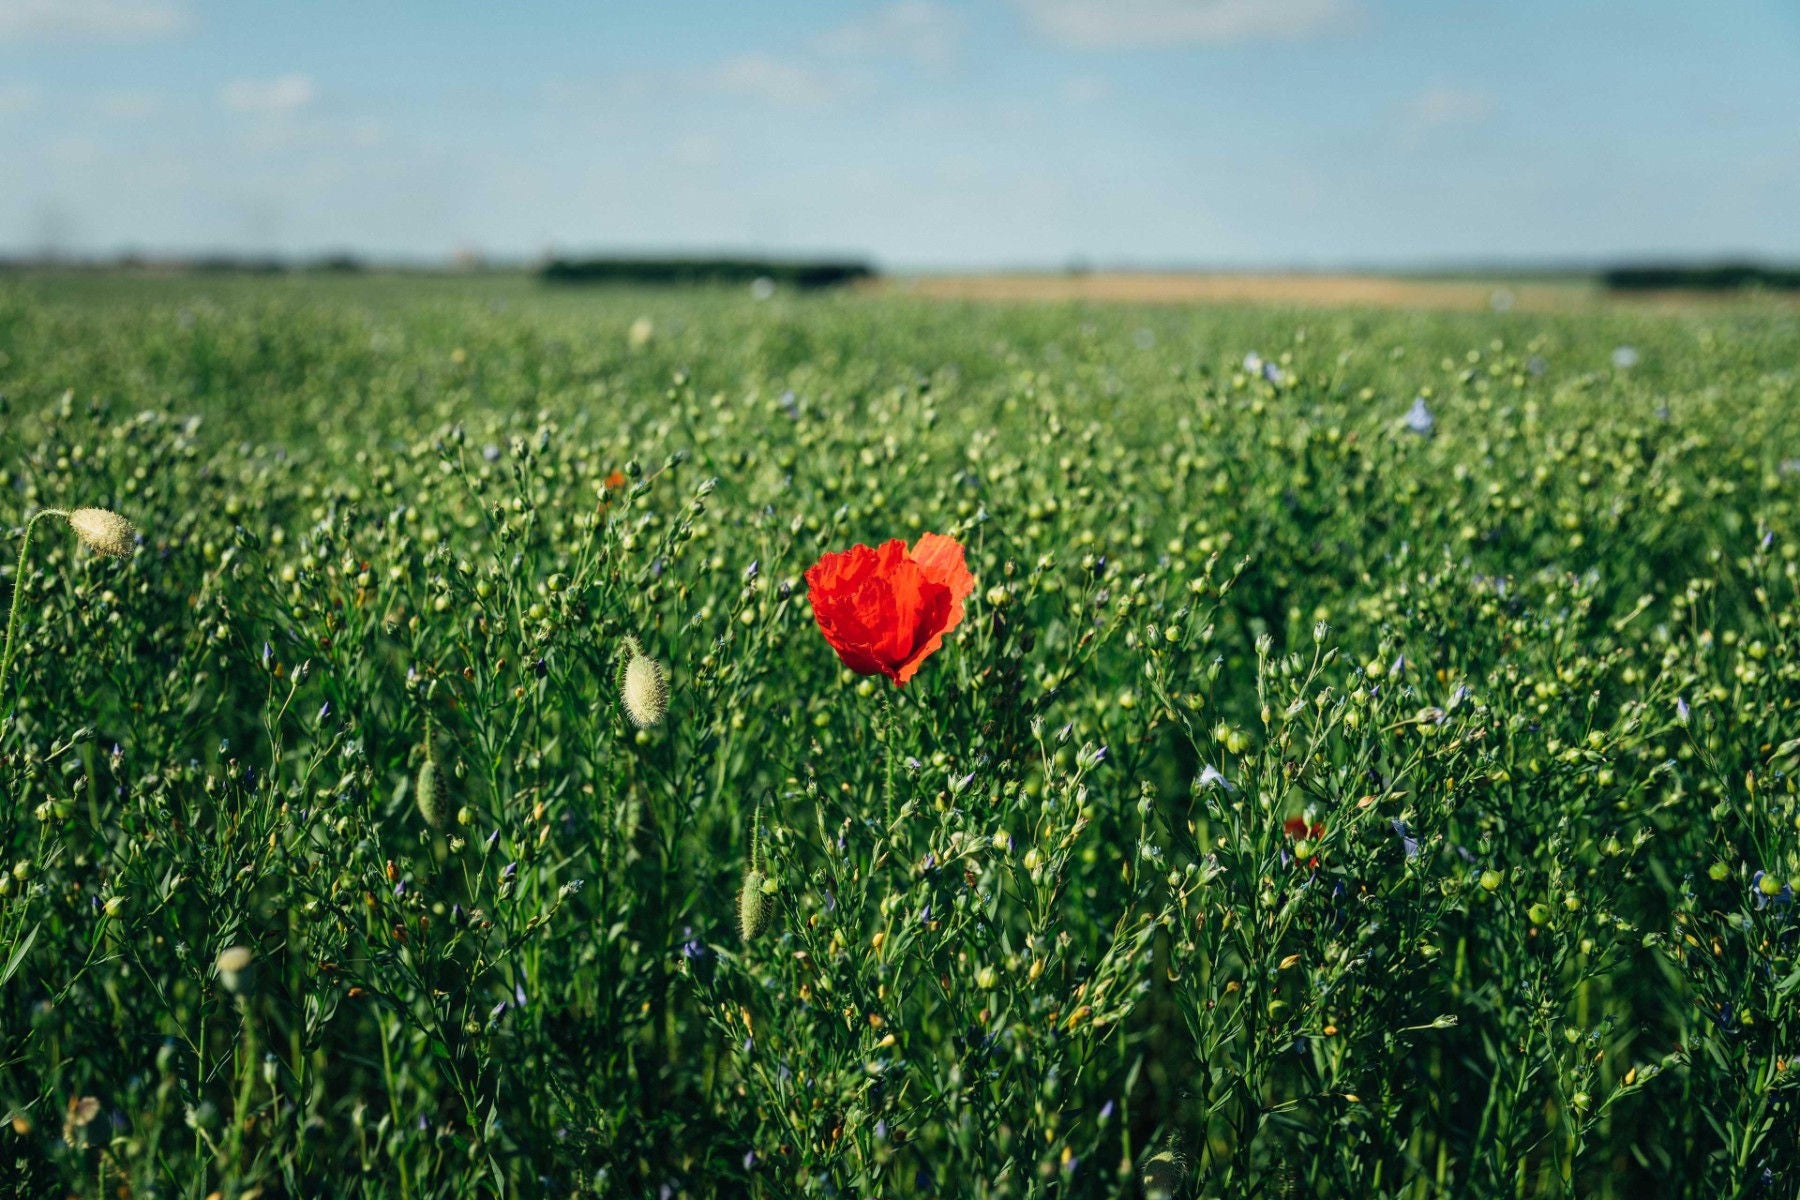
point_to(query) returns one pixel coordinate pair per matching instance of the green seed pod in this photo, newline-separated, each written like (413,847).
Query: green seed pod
(433,795)
(755,908)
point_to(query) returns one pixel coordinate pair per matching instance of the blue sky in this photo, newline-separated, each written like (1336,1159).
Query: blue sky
(925,133)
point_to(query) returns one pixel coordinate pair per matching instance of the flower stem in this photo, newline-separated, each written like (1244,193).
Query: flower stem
(18,596)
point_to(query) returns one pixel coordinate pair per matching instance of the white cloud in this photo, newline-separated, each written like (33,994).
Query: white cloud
(1443,107)
(17,98)
(1159,24)
(923,32)
(92,20)
(286,94)
(127,105)
(760,77)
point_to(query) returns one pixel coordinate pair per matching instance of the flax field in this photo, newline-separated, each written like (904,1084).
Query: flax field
(1364,766)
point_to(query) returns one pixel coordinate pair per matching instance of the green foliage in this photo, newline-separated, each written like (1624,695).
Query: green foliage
(1310,803)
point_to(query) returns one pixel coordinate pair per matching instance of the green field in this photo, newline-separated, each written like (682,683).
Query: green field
(1309,804)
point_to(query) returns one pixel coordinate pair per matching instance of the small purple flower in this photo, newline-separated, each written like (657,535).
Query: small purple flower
(324,711)
(267,654)
(881,1130)
(400,888)
(512,869)
(1106,1111)
(494,1012)
(491,452)
(1682,711)
(749,1160)
(519,995)
(1253,363)
(492,839)
(1271,372)
(751,570)
(1625,357)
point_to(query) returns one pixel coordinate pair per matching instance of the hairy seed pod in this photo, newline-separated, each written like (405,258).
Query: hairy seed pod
(644,687)
(433,795)
(103,531)
(755,908)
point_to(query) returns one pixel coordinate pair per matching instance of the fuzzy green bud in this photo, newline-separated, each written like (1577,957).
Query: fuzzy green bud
(433,795)
(755,908)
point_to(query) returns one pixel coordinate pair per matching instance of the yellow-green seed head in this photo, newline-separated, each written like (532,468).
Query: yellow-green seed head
(433,794)
(103,531)
(755,908)
(644,688)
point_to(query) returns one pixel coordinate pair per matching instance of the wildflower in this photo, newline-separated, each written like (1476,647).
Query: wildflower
(1765,887)
(886,610)
(1211,776)
(1419,418)
(1407,841)
(1305,838)
(1625,357)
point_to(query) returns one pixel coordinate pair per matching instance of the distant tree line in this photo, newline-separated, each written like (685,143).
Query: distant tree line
(1710,277)
(815,274)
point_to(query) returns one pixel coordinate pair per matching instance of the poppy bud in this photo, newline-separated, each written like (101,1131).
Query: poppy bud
(1163,1174)
(433,795)
(103,531)
(643,687)
(755,908)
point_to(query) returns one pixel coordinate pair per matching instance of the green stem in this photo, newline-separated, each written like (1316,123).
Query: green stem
(18,596)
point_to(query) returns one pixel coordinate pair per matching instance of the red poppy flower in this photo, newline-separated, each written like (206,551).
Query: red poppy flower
(1297,829)
(886,609)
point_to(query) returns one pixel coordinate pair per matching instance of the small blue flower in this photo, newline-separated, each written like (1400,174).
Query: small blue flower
(1407,840)
(1419,418)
